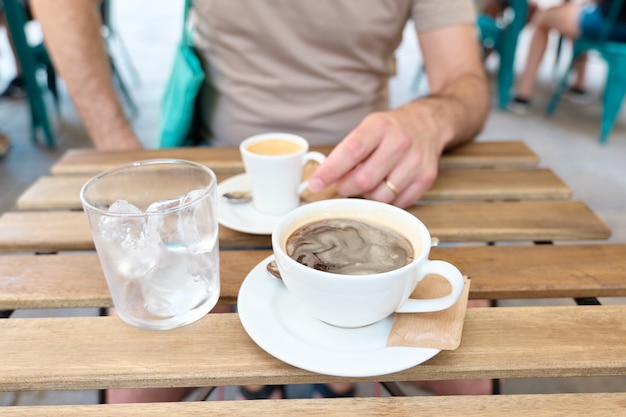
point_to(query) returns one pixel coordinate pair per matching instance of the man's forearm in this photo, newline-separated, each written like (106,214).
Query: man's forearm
(72,35)
(459,110)
(459,102)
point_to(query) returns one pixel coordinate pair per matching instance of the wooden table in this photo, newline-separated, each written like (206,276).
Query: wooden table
(488,195)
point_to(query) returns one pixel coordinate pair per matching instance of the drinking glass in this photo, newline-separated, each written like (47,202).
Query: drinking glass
(155,229)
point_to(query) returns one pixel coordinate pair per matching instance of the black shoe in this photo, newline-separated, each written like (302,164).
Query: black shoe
(15,89)
(578,96)
(519,106)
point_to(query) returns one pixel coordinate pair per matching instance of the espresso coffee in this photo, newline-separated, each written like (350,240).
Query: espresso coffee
(273,147)
(350,247)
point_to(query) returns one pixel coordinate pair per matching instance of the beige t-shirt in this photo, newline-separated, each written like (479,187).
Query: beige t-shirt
(309,67)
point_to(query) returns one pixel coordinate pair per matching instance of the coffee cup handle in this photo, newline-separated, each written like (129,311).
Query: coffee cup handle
(445,270)
(310,156)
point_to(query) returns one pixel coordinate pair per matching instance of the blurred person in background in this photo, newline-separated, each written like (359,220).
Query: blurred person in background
(572,20)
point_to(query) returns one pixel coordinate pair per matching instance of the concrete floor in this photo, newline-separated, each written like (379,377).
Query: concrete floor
(148,29)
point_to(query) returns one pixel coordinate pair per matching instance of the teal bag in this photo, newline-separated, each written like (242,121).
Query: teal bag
(178,101)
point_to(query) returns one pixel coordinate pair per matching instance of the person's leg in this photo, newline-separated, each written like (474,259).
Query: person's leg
(580,66)
(260,392)
(146,395)
(493,8)
(577,90)
(458,387)
(562,18)
(532,10)
(334,390)
(5,144)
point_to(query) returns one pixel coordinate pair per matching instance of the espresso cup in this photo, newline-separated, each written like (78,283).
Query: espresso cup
(274,163)
(348,299)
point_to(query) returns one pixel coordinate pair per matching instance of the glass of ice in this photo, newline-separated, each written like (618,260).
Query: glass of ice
(155,228)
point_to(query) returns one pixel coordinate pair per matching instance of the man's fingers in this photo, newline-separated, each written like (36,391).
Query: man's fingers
(349,153)
(390,154)
(405,198)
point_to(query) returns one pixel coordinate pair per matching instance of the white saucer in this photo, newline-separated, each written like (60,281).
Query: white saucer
(280,326)
(242,217)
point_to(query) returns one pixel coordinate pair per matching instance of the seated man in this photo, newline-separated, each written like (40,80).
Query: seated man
(319,69)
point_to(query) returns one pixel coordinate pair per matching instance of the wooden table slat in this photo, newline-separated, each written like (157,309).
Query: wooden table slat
(62,192)
(228,160)
(537,405)
(490,154)
(511,342)
(71,280)
(511,221)
(457,222)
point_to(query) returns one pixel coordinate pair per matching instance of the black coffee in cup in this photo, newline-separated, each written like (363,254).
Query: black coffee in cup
(350,247)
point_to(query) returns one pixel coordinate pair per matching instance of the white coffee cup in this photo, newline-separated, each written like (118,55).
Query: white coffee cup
(274,163)
(360,300)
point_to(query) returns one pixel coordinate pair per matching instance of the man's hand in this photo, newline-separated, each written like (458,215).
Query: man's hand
(391,157)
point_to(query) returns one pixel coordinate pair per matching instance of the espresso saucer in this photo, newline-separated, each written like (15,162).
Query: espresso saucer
(281,327)
(242,217)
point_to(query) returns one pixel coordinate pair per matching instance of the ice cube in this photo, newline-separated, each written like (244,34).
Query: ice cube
(129,231)
(163,287)
(123,207)
(197,222)
(163,221)
(180,282)
(165,205)
(136,263)
(126,240)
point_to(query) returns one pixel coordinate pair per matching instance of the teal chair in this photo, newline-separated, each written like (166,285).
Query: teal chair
(614,53)
(31,59)
(501,36)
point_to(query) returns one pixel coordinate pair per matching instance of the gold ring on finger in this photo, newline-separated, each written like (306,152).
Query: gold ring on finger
(392,187)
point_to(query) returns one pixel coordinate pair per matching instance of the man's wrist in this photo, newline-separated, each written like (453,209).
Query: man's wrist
(428,116)
(117,141)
